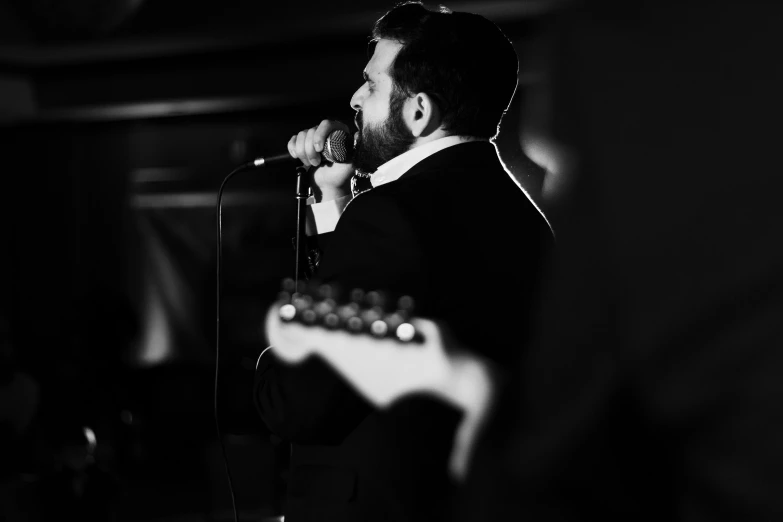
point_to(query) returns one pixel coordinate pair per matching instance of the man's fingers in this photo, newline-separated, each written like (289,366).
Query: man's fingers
(312,154)
(325,128)
(322,132)
(308,144)
(301,153)
(292,146)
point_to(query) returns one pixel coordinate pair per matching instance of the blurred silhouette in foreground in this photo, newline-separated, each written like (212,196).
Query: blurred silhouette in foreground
(654,389)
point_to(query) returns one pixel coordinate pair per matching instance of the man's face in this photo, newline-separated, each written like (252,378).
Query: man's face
(382,131)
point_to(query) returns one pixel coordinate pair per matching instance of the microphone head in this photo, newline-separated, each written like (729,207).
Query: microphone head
(338,147)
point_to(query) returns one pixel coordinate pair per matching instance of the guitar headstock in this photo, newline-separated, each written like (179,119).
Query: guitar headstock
(363,336)
(357,311)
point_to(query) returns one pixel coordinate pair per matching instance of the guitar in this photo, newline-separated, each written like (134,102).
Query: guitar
(384,353)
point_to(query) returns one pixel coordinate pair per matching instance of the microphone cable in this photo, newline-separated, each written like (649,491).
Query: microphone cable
(219,212)
(337,147)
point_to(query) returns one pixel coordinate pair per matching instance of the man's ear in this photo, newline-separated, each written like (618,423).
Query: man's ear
(422,115)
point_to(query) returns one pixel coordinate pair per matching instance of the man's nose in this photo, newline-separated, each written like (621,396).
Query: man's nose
(357,99)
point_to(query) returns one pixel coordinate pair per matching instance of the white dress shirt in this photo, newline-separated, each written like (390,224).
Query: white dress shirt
(322,217)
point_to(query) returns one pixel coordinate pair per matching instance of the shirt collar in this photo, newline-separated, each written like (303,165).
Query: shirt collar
(399,165)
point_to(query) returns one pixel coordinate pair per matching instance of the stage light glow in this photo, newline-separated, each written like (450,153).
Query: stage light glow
(92,440)
(405,332)
(379,328)
(155,346)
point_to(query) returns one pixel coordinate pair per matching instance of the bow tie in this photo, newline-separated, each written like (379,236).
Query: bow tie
(359,184)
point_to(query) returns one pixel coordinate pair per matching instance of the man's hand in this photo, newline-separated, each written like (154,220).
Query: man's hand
(330,180)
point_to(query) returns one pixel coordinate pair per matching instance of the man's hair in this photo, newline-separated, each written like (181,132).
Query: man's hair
(462,60)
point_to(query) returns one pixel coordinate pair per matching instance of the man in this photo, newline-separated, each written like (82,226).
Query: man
(440,224)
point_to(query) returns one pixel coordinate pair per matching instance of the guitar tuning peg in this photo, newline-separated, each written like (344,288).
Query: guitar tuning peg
(322,308)
(347,311)
(376,299)
(287,312)
(379,328)
(302,301)
(405,306)
(406,303)
(405,332)
(331,320)
(326,291)
(372,298)
(288,285)
(355,324)
(370,315)
(357,295)
(309,316)
(394,320)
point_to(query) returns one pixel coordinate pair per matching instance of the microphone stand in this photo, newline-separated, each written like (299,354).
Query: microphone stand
(303,176)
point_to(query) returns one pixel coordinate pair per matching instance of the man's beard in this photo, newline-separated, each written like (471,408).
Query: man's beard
(377,144)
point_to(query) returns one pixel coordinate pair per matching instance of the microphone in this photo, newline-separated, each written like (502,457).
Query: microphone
(338,148)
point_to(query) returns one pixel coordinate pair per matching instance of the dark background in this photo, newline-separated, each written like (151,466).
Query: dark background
(119,120)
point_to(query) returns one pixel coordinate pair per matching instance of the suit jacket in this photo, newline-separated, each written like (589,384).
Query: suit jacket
(457,234)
